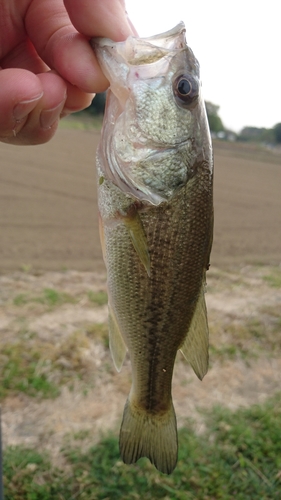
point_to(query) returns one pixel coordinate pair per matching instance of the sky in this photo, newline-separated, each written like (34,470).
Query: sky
(238,46)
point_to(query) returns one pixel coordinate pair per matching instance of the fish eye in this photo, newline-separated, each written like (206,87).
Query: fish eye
(185,89)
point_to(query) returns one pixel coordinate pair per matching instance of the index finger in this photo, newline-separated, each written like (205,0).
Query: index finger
(106,18)
(64,49)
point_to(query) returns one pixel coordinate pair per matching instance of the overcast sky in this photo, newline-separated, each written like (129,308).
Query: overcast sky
(238,45)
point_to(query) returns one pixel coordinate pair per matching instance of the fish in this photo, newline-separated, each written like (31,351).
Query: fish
(155,196)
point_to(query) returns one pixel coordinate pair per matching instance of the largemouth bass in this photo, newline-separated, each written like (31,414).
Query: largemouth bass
(155,184)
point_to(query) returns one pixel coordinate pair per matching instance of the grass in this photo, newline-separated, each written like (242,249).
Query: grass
(39,369)
(229,351)
(22,370)
(98,298)
(98,332)
(274,279)
(52,298)
(49,297)
(247,339)
(238,456)
(82,121)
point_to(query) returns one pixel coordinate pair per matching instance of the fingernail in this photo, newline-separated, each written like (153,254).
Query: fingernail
(66,112)
(49,116)
(23,108)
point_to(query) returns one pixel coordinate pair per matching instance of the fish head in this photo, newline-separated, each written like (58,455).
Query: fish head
(155,121)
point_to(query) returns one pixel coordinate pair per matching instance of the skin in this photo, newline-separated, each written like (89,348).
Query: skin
(47,67)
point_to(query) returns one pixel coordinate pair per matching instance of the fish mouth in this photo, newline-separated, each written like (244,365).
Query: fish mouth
(137,51)
(141,53)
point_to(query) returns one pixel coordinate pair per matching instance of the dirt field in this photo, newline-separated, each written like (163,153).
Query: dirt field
(48,207)
(49,241)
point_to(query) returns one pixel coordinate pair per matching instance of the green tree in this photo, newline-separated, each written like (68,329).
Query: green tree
(277,132)
(256,134)
(215,122)
(97,105)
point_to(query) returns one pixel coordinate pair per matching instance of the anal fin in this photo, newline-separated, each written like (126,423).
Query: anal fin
(117,345)
(195,348)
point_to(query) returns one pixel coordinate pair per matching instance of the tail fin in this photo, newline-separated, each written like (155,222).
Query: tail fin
(143,434)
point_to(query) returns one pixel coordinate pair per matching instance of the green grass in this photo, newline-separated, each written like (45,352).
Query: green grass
(238,456)
(38,368)
(98,331)
(49,297)
(248,339)
(229,351)
(52,298)
(21,371)
(274,280)
(82,121)
(29,475)
(98,298)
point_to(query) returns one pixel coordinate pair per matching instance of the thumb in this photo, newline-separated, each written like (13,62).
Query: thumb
(20,91)
(23,98)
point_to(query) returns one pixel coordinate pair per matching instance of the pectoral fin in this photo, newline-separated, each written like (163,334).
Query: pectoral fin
(196,345)
(102,239)
(134,225)
(117,345)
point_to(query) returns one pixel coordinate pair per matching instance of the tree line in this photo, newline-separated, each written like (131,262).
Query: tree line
(247,134)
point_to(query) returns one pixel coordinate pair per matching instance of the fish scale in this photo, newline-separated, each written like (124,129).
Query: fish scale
(156,222)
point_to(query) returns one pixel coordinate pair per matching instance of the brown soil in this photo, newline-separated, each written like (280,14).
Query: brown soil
(49,239)
(48,205)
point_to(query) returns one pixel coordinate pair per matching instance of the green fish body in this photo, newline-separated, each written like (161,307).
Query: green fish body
(155,188)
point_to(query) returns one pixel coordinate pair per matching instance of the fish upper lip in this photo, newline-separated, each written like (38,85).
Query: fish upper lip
(165,38)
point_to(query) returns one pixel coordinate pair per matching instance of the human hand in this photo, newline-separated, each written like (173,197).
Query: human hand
(47,68)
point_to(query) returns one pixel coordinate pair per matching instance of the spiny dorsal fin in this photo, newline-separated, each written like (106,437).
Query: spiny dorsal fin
(196,345)
(117,345)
